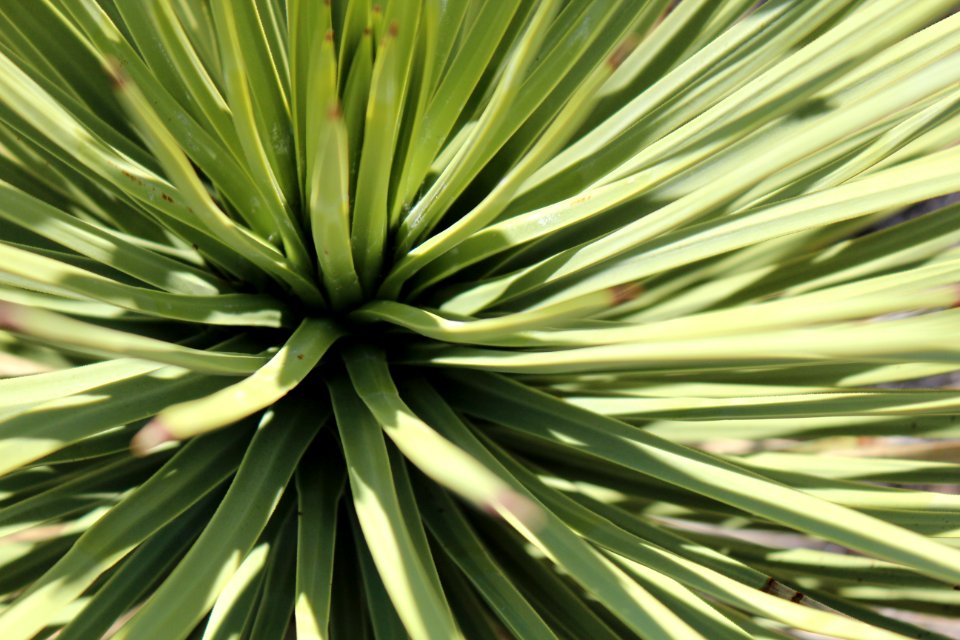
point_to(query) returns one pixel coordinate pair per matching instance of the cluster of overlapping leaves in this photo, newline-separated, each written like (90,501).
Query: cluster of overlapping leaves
(482,318)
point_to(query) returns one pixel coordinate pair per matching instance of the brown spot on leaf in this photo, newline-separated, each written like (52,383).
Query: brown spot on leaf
(118,78)
(625,292)
(623,51)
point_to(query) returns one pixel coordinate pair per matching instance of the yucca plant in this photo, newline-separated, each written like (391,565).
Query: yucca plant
(477,318)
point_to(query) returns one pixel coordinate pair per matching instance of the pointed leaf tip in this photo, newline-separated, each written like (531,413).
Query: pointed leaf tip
(510,505)
(8,316)
(956,299)
(151,436)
